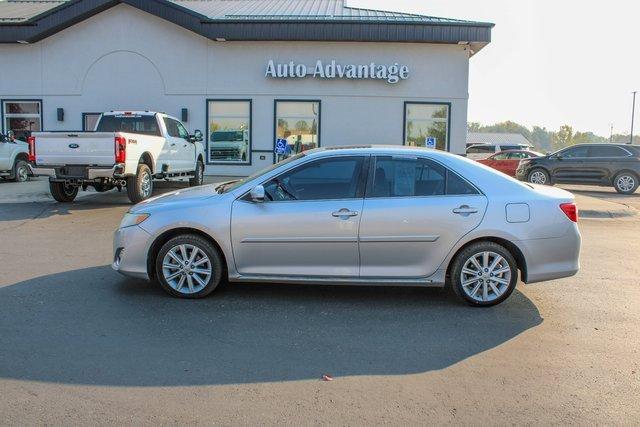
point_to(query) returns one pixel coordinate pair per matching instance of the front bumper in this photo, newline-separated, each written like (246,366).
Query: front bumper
(130,248)
(78,172)
(521,172)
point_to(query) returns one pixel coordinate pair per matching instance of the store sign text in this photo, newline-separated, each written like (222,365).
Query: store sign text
(390,73)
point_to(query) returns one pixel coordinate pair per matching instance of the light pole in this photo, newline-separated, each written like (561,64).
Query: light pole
(633,113)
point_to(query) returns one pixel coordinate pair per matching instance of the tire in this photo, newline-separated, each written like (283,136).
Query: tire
(539,176)
(140,186)
(626,182)
(63,193)
(20,171)
(198,177)
(485,291)
(187,283)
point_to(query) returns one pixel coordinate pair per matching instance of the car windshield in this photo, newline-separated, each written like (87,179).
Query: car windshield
(226,136)
(228,186)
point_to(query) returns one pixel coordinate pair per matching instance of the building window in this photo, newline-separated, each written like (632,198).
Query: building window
(89,121)
(298,123)
(423,121)
(229,131)
(22,117)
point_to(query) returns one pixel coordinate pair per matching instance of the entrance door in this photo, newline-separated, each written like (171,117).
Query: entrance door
(307,225)
(415,210)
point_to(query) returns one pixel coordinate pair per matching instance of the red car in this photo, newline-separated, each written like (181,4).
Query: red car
(507,161)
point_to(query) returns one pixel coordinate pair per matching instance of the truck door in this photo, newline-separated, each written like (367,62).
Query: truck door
(173,151)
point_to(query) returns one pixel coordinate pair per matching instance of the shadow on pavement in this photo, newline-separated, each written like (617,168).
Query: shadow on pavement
(91,326)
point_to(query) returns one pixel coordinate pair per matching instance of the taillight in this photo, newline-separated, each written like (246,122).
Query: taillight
(32,148)
(570,210)
(121,149)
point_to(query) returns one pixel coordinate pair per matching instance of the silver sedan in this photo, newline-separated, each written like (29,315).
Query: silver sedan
(371,215)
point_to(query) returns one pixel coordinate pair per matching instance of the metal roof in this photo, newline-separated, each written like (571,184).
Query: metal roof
(496,138)
(250,20)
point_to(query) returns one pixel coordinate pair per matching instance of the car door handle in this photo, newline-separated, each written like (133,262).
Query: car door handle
(465,210)
(344,213)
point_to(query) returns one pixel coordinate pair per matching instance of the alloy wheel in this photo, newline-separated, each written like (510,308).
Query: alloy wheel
(23,174)
(485,276)
(625,183)
(186,268)
(538,177)
(146,186)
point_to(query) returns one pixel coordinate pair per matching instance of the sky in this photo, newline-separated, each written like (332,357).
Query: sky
(550,62)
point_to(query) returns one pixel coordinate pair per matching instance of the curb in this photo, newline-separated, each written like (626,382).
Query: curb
(606,214)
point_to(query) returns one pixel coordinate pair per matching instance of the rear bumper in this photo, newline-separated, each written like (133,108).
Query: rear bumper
(78,172)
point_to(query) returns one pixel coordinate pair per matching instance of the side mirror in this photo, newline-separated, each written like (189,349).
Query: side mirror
(198,135)
(257,194)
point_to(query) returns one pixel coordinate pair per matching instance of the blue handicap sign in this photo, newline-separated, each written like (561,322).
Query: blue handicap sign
(281,146)
(430,142)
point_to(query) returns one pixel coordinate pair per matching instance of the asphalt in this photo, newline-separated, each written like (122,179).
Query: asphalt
(79,344)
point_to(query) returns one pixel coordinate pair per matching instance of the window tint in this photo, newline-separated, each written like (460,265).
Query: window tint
(575,152)
(481,149)
(501,156)
(326,179)
(517,155)
(145,125)
(398,177)
(172,127)
(458,186)
(512,147)
(607,151)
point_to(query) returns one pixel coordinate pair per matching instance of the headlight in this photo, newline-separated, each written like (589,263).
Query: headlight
(133,219)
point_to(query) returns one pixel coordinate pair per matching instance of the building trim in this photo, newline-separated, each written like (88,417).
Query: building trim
(404,119)
(250,101)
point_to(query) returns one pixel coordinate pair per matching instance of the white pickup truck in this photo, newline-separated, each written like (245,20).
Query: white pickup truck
(13,159)
(128,149)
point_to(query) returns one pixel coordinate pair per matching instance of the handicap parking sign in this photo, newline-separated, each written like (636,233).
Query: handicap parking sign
(430,142)
(281,146)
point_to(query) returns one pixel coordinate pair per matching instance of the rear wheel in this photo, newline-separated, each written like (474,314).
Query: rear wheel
(140,186)
(189,266)
(63,192)
(539,176)
(198,177)
(626,183)
(20,171)
(484,274)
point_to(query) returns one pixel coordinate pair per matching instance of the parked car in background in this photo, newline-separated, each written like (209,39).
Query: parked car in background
(482,151)
(14,156)
(616,165)
(229,145)
(508,161)
(128,149)
(356,215)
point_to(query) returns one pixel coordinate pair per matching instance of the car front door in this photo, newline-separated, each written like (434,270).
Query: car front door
(569,165)
(415,210)
(173,153)
(6,151)
(307,224)
(186,149)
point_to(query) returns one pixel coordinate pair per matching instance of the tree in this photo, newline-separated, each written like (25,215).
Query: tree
(474,127)
(563,138)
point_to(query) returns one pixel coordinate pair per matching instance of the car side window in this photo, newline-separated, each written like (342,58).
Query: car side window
(172,128)
(182,132)
(501,156)
(518,155)
(575,152)
(481,149)
(607,151)
(323,179)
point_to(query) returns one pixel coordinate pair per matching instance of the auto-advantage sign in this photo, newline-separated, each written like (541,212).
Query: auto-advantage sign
(392,73)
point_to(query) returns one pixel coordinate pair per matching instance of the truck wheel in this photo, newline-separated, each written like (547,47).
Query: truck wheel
(198,177)
(63,192)
(140,186)
(20,171)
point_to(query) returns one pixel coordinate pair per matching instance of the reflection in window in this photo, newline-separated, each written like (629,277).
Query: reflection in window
(22,117)
(298,123)
(89,121)
(423,121)
(229,131)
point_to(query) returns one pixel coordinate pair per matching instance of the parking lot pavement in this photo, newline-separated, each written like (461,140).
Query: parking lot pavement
(607,194)
(81,344)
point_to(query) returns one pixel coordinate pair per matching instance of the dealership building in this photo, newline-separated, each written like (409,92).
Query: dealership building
(260,79)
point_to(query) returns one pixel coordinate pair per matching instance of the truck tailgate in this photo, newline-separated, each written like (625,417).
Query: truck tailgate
(75,148)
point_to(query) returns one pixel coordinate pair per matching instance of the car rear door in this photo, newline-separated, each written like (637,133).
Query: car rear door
(569,165)
(605,161)
(414,212)
(308,223)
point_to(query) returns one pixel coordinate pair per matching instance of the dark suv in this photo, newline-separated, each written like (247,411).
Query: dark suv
(616,165)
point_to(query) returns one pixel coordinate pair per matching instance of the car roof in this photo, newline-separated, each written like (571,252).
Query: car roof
(379,149)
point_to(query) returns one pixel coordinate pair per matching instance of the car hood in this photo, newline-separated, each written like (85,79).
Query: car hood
(178,197)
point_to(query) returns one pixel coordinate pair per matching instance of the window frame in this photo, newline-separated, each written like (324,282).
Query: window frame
(447,170)
(8,100)
(207,135)
(621,149)
(275,120)
(84,117)
(404,120)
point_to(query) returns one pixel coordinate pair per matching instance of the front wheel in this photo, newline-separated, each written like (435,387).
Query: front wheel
(198,177)
(625,183)
(140,186)
(63,192)
(539,176)
(484,274)
(189,266)
(20,171)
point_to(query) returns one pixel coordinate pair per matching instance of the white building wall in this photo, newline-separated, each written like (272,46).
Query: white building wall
(125,59)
